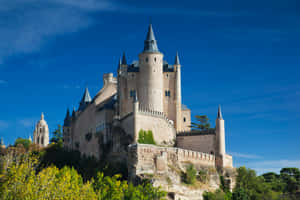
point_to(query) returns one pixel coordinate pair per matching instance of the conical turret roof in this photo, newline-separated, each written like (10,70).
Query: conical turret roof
(219,113)
(150,44)
(177,59)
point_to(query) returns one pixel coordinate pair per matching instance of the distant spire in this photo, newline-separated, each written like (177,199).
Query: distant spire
(124,62)
(74,112)
(177,59)
(42,116)
(67,118)
(86,99)
(219,113)
(1,142)
(150,44)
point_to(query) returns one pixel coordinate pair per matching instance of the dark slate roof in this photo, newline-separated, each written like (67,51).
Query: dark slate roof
(86,99)
(150,44)
(177,59)
(134,67)
(219,113)
(124,61)
(108,104)
(67,120)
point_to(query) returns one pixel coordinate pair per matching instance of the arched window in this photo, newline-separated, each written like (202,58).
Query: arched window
(184,119)
(154,59)
(38,140)
(146,59)
(42,141)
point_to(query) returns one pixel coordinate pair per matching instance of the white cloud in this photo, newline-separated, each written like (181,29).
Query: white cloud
(27,122)
(27,25)
(244,155)
(272,165)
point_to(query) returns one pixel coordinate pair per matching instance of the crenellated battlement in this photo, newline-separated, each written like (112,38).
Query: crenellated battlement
(154,113)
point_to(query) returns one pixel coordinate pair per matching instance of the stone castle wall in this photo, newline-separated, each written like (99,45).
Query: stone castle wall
(201,143)
(151,159)
(162,128)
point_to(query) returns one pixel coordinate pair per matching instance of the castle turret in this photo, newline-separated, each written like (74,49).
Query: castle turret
(67,128)
(67,119)
(220,134)
(86,99)
(151,74)
(177,68)
(41,132)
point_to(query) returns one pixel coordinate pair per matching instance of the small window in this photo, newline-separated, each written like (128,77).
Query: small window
(184,119)
(147,59)
(167,93)
(132,93)
(167,75)
(154,59)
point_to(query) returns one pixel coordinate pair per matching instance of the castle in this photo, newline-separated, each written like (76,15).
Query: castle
(145,95)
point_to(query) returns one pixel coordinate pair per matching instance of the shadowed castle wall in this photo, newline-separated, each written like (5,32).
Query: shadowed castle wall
(201,143)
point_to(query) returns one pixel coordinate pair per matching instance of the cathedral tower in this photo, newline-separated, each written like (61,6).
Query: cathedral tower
(220,134)
(41,132)
(150,87)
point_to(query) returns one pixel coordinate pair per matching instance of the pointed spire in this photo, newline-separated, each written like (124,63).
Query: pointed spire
(67,118)
(74,112)
(150,44)
(219,113)
(124,62)
(42,116)
(177,59)
(1,142)
(86,96)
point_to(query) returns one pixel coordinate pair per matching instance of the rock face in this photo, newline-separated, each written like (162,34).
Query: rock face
(166,166)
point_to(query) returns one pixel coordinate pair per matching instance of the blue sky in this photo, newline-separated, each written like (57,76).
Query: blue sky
(243,55)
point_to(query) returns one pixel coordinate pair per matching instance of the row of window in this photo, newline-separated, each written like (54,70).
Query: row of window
(132,93)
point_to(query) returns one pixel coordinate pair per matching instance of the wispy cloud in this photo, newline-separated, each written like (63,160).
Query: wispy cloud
(245,155)
(27,25)
(71,86)
(272,165)
(2,81)
(27,122)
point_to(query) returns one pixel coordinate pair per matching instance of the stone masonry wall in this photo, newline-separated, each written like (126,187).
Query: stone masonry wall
(149,159)
(162,128)
(201,143)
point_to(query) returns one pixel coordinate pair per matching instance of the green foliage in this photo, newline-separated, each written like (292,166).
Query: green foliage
(189,177)
(21,141)
(23,180)
(146,137)
(57,135)
(202,124)
(217,195)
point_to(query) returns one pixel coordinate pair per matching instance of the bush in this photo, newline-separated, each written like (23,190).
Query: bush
(146,137)
(190,175)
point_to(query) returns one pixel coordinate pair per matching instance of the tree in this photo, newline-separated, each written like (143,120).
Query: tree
(57,135)
(202,123)
(25,142)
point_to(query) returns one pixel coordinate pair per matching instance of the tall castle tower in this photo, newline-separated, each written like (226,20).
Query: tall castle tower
(150,91)
(41,132)
(220,135)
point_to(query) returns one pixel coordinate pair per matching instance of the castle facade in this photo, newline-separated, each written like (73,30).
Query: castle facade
(145,95)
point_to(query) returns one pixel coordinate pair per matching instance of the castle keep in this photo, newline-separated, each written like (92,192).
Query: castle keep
(145,95)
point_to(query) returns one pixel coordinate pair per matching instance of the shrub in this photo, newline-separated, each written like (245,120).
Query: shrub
(146,137)
(190,175)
